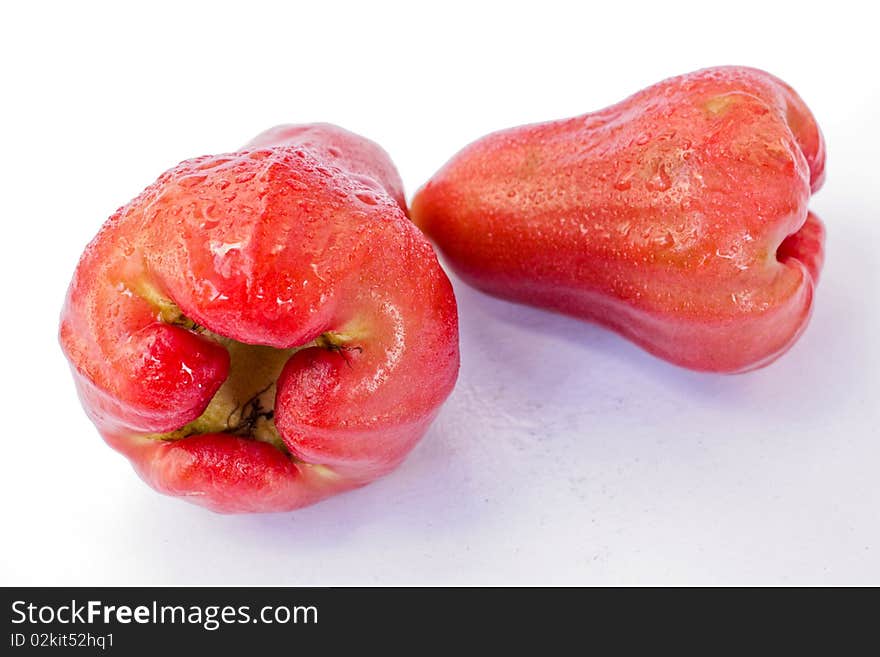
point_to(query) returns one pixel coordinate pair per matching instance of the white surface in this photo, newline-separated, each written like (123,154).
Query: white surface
(565,455)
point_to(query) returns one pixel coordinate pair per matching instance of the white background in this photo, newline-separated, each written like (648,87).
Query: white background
(565,455)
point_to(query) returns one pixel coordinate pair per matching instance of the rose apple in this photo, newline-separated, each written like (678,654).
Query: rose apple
(677,217)
(261,329)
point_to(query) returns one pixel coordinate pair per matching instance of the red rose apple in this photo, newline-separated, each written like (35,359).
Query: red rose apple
(677,217)
(261,329)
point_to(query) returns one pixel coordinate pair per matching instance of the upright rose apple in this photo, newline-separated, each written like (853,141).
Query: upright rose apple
(261,329)
(677,217)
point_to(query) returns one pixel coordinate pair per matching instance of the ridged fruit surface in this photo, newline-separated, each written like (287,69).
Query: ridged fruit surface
(261,329)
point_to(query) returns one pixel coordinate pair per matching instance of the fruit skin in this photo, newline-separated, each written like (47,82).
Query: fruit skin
(677,218)
(299,240)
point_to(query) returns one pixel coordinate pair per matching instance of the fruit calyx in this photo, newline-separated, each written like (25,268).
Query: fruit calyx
(244,405)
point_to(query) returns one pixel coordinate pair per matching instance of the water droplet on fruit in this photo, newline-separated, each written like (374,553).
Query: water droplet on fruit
(643,139)
(660,181)
(366,181)
(192,181)
(623,183)
(209,219)
(365,197)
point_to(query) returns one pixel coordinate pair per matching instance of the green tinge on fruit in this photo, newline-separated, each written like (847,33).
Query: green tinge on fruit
(245,404)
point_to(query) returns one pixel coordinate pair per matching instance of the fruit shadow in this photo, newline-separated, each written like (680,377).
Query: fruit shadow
(555,353)
(415,509)
(511,330)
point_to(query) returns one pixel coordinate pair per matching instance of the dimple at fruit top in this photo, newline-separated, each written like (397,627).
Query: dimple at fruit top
(261,329)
